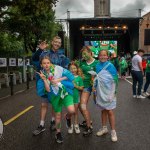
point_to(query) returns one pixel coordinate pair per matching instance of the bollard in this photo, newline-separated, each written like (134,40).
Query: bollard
(20,77)
(27,79)
(6,79)
(31,75)
(14,79)
(31,72)
(11,84)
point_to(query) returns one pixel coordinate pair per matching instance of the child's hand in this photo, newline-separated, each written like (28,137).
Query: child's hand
(93,89)
(74,84)
(42,76)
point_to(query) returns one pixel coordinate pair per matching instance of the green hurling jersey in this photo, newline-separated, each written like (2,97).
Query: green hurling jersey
(79,82)
(95,50)
(85,68)
(147,66)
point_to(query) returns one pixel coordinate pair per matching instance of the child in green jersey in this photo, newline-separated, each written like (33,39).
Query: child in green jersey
(87,64)
(78,86)
(56,84)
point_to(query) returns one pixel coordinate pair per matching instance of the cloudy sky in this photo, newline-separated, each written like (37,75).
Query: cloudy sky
(85,8)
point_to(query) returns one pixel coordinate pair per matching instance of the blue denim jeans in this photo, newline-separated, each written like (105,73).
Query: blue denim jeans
(88,89)
(147,81)
(137,77)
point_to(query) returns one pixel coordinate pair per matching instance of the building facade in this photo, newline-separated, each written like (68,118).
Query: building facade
(101,8)
(144,33)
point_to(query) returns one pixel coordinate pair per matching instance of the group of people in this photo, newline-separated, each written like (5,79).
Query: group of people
(137,72)
(61,82)
(122,64)
(138,67)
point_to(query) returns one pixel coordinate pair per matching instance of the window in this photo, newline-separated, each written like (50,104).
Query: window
(147,37)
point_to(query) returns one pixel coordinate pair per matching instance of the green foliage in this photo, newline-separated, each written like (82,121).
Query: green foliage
(9,42)
(25,22)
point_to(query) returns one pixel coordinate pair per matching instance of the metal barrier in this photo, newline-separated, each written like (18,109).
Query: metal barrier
(20,77)
(27,79)
(14,79)
(11,75)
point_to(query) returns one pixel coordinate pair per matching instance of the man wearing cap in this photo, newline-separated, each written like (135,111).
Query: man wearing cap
(137,73)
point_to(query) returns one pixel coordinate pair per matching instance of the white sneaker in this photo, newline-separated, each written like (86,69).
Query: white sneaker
(70,129)
(134,96)
(140,96)
(102,131)
(145,94)
(76,128)
(114,136)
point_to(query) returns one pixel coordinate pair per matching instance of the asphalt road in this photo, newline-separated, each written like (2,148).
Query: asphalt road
(132,125)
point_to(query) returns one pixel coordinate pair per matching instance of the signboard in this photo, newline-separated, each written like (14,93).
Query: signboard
(20,62)
(27,62)
(12,61)
(3,62)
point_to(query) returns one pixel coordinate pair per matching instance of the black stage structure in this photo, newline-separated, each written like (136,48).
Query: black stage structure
(124,30)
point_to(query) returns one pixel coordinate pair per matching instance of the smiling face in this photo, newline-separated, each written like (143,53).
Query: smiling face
(73,69)
(56,44)
(45,64)
(86,55)
(103,56)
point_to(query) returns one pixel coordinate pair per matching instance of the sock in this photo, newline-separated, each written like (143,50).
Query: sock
(104,127)
(113,131)
(42,123)
(53,119)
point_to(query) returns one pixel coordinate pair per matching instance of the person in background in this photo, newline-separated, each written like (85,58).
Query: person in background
(129,65)
(145,93)
(137,74)
(144,65)
(134,53)
(114,60)
(123,67)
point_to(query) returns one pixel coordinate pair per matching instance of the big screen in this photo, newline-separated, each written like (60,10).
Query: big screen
(96,46)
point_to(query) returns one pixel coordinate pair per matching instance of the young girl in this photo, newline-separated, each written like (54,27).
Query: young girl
(56,83)
(105,84)
(78,86)
(88,64)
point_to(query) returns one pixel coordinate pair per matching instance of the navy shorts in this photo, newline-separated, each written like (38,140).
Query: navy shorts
(88,89)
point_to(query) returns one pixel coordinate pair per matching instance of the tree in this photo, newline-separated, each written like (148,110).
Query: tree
(28,20)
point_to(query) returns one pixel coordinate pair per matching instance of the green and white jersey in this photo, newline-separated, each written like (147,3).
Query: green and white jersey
(147,66)
(85,68)
(79,82)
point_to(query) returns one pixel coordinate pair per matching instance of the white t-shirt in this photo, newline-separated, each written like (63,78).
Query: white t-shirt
(135,62)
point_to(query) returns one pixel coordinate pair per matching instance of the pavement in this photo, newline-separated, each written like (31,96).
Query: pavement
(6,91)
(132,124)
